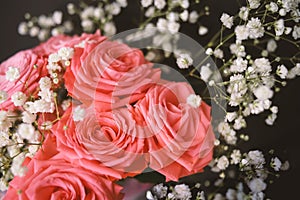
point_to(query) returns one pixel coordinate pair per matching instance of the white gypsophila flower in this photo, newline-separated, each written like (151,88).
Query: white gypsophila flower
(149,196)
(241,32)
(223,128)
(23,28)
(113,8)
(99,13)
(282,71)
(45,83)
(218,196)
(222,162)
(160,191)
(227,20)
(279,27)
(12,74)
(4,139)
(43,34)
(209,51)
(150,11)
(231,194)
(295,71)
(256,107)
(267,104)
(88,12)
(57,17)
(78,114)
(274,109)
(230,116)
(18,98)
(205,72)
(202,30)
(230,137)
(235,156)
(66,104)
(87,25)
(237,49)
(28,117)
(193,17)
(110,28)
(45,22)
(182,192)
(271,45)
(237,84)
(160,4)
(244,13)
(262,65)
(194,100)
(34,31)
(184,15)
(16,168)
(123,3)
(32,150)
(71,8)
(263,92)
(257,185)
(184,61)
(239,65)
(46,95)
(3,96)
(296,32)
(218,53)
(239,123)
(253,4)
(173,27)
(53,58)
(173,16)
(256,30)
(66,53)
(57,31)
(40,105)
(3,185)
(256,158)
(273,7)
(271,119)
(184,3)
(276,164)
(162,25)
(257,196)
(27,131)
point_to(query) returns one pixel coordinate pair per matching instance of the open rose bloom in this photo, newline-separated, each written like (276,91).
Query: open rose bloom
(122,118)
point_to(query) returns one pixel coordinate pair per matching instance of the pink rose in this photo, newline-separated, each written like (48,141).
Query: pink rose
(29,68)
(110,74)
(49,176)
(100,142)
(181,140)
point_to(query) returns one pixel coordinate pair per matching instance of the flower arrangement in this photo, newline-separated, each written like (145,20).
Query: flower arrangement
(87,112)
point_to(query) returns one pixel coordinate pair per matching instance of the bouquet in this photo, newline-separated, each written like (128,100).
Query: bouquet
(89,113)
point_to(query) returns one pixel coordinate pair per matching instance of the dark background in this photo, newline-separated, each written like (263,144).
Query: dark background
(282,137)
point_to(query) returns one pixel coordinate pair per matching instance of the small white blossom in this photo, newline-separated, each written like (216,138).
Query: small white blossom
(160,191)
(160,4)
(235,156)
(282,71)
(263,92)
(193,17)
(150,11)
(18,98)
(273,7)
(239,65)
(262,65)
(279,27)
(110,28)
(239,123)
(282,12)
(256,107)
(17,169)
(274,109)
(205,72)
(256,30)
(209,51)
(162,25)
(66,53)
(173,17)
(71,8)
(149,196)
(3,185)
(53,58)
(34,31)
(12,74)
(66,104)
(271,45)
(28,117)
(184,15)
(223,162)
(218,53)
(87,13)
(194,100)
(78,114)
(46,95)
(45,83)
(230,116)
(184,4)
(182,191)
(241,32)
(184,61)
(231,194)
(296,32)
(256,158)
(3,96)
(173,27)
(244,13)
(32,150)
(218,196)
(57,17)
(257,185)
(202,30)
(47,125)
(253,4)
(87,25)
(295,71)
(26,131)
(23,28)
(276,163)
(227,20)
(4,139)
(271,119)
(123,3)
(98,13)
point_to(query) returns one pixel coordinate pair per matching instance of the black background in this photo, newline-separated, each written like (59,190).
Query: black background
(282,137)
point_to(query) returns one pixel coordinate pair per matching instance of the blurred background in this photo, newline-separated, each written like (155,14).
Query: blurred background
(282,136)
